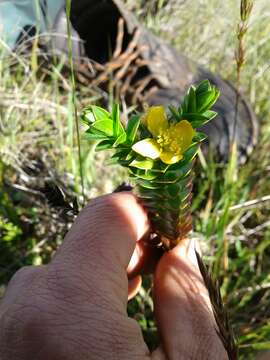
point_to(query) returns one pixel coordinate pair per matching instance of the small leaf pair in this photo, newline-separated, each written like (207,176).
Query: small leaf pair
(104,126)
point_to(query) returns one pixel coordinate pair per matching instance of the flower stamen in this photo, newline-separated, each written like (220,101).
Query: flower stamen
(169,140)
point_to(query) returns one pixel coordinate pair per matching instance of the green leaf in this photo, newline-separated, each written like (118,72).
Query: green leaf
(180,111)
(196,124)
(197,120)
(174,113)
(160,167)
(145,164)
(204,100)
(104,145)
(144,175)
(147,184)
(118,156)
(118,130)
(177,191)
(199,137)
(93,134)
(116,120)
(105,126)
(131,155)
(185,104)
(203,86)
(173,204)
(121,154)
(190,153)
(94,113)
(193,117)
(121,139)
(168,180)
(88,117)
(172,190)
(147,176)
(132,128)
(207,100)
(192,103)
(124,162)
(209,114)
(99,113)
(144,132)
(179,171)
(149,194)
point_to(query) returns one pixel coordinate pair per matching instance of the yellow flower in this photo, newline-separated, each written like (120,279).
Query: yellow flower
(169,140)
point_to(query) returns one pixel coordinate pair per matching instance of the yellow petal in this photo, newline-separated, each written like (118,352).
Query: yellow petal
(182,133)
(169,157)
(156,120)
(148,148)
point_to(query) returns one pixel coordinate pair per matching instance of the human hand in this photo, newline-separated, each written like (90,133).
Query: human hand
(75,307)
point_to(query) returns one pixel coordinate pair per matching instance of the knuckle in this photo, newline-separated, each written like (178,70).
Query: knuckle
(21,283)
(22,274)
(20,324)
(26,274)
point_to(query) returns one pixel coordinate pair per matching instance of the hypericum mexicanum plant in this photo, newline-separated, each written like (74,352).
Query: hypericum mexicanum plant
(159,150)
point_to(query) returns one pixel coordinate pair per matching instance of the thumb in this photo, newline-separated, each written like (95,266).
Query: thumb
(98,247)
(182,306)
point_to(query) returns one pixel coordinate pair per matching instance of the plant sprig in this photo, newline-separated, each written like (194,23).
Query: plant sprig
(106,127)
(159,151)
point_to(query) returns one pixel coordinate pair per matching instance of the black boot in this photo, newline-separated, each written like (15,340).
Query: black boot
(145,68)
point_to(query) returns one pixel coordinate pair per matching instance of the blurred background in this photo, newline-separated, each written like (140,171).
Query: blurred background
(40,172)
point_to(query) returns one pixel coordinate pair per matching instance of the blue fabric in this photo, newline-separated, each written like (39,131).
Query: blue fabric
(16,14)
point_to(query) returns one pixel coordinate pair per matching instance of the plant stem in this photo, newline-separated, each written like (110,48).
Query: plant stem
(73,83)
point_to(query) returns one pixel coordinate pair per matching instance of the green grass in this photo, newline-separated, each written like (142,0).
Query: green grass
(36,123)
